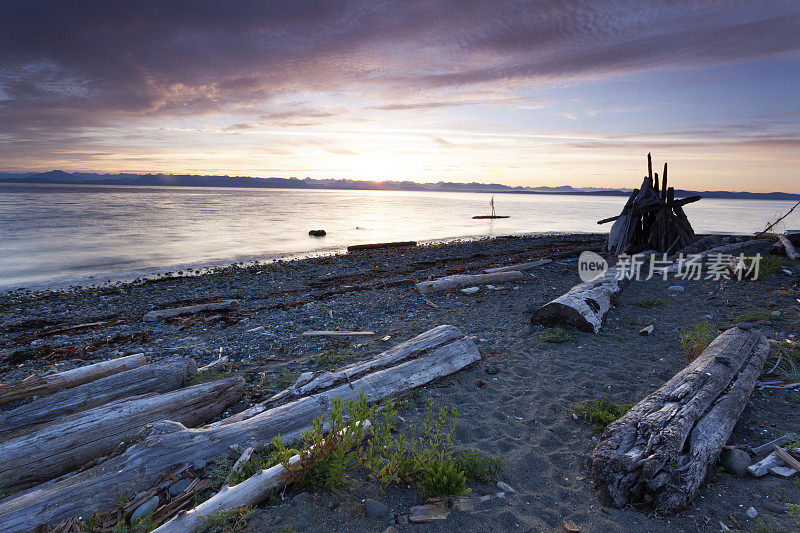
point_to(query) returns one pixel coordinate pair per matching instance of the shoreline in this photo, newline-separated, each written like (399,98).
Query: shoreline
(110,279)
(515,403)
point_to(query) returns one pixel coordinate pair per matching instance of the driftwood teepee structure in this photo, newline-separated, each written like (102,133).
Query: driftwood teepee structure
(652,219)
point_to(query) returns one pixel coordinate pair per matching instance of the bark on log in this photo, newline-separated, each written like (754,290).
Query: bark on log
(161,314)
(584,306)
(660,451)
(249,492)
(162,376)
(791,251)
(70,378)
(466,280)
(169,444)
(519,267)
(56,448)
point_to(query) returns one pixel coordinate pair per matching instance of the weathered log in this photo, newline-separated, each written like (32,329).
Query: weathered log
(213,364)
(377,245)
(660,451)
(168,444)
(238,465)
(162,376)
(70,378)
(791,251)
(584,306)
(724,249)
(56,448)
(465,280)
(161,314)
(519,267)
(249,492)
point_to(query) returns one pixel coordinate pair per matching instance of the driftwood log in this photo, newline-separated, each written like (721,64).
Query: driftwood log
(466,280)
(70,378)
(584,306)
(249,492)
(167,445)
(660,451)
(724,249)
(791,251)
(518,267)
(53,449)
(161,314)
(162,376)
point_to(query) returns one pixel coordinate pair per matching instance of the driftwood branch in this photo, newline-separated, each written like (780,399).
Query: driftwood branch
(161,314)
(770,226)
(466,280)
(518,267)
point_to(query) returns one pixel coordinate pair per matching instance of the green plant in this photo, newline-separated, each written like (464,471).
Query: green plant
(391,456)
(477,467)
(767,265)
(227,521)
(219,470)
(120,500)
(287,529)
(91,524)
(264,456)
(752,316)
(325,460)
(780,492)
(121,527)
(334,355)
(556,335)
(784,360)
(205,377)
(443,478)
(601,411)
(649,302)
(143,524)
(278,382)
(697,339)
(765,524)
(794,512)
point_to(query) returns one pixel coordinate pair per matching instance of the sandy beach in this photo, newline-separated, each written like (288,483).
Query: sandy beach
(515,403)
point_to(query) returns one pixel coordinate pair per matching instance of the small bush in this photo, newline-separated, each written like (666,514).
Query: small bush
(227,521)
(477,467)
(205,377)
(335,353)
(278,382)
(785,362)
(556,335)
(649,302)
(442,478)
(601,411)
(767,265)
(325,460)
(697,339)
(753,316)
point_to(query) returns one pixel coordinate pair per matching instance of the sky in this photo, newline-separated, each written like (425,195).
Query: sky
(551,92)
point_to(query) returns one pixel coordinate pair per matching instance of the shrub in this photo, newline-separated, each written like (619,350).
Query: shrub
(601,411)
(227,521)
(325,460)
(697,339)
(767,265)
(785,361)
(556,335)
(477,467)
(442,478)
(753,316)
(649,302)
(278,382)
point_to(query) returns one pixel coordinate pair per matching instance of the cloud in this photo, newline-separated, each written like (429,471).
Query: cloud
(74,64)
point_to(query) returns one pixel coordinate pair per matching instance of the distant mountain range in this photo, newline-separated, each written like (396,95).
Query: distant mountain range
(187,180)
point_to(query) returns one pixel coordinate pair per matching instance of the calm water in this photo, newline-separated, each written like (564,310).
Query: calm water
(50,233)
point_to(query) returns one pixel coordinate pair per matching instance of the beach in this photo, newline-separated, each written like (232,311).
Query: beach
(515,403)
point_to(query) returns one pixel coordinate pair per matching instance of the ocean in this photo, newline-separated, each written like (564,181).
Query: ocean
(55,235)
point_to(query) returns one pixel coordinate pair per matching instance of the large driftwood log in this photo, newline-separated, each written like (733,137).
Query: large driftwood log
(584,306)
(465,280)
(249,492)
(161,314)
(660,451)
(70,378)
(54,449)
(162,376)
(169,444)
(518,267)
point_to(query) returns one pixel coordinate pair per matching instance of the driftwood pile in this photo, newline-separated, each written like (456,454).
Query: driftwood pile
(165,445)
(660,451)
(652,219)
